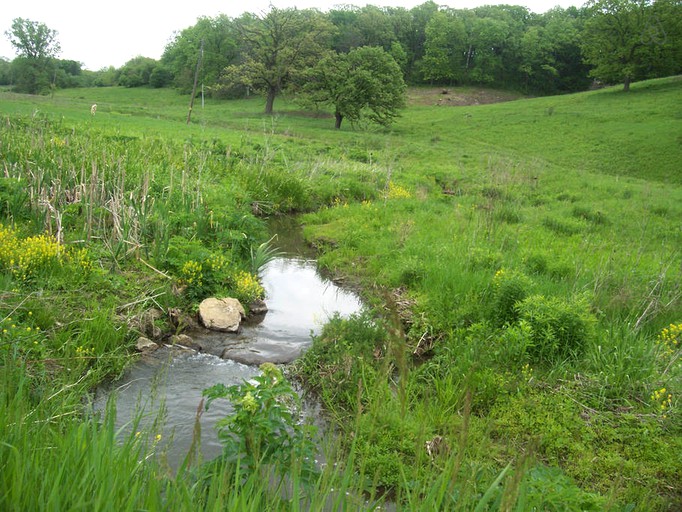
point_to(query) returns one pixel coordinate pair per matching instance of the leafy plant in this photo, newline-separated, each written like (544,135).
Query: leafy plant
(559,327)
(509,288)
(265,428)
(263,254)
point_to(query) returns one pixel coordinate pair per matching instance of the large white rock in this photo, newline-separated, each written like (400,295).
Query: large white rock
(224,315)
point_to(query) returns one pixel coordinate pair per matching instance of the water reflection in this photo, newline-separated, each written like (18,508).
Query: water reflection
(299,302)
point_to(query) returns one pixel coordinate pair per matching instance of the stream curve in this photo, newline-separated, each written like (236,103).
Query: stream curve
(166,386)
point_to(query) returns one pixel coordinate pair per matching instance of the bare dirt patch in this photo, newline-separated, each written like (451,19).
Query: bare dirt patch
(458,96)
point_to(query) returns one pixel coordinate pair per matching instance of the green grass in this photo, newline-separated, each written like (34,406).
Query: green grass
(521,259)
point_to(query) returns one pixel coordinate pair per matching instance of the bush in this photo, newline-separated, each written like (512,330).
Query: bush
(559,328)
(509,287)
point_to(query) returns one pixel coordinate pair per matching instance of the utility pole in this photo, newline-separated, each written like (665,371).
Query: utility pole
(196,79)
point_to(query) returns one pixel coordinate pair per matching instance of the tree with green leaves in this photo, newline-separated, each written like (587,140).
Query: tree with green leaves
(617,38)
(220,49)
(365,83)
(550,56)
(275,48)
(36,45)
(137,72)
(32,39)
(445,48)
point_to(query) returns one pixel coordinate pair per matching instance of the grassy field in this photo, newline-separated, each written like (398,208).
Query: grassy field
(522,262)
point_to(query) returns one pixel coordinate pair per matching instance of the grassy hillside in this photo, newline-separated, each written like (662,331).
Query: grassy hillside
(523,260)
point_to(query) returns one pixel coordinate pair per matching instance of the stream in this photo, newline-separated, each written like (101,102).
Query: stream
(166,386)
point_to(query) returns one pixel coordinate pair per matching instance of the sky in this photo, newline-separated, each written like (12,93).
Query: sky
(111,33)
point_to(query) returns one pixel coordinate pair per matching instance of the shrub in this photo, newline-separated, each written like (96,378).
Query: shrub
(509,287)
(559,328)
(13,198)
(247,288)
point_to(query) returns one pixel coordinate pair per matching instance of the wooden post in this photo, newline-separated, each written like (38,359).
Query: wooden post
(196,79)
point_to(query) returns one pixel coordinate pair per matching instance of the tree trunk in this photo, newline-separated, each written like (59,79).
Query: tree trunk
(626,83)
(269,102)
(339,118)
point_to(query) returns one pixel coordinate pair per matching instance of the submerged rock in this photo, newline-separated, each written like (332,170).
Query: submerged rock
(224,315)
(258,307)
(264,351)
(184,341)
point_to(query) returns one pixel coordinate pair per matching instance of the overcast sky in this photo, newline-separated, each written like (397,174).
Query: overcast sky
(102,34)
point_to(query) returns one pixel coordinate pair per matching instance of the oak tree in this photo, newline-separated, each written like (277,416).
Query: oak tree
(276,47)
(365,83)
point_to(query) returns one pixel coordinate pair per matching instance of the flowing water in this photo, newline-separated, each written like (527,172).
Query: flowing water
(299,299)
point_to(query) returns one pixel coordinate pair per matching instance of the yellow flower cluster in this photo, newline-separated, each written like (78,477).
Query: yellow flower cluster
(26,257)
(81,351)
(527,372)
(81,258)
(669,339)
(662,400)
(217,263)
(191,273)
(247,286)
(499,275)
(397,192)
(338,203)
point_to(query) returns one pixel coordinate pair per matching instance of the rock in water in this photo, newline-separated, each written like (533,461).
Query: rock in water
(258,307)
(224,315)
(145,345)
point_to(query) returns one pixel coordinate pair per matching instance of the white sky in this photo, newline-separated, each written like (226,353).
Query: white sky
(111,33)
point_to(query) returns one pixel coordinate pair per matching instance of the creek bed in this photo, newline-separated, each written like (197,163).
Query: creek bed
(167,385)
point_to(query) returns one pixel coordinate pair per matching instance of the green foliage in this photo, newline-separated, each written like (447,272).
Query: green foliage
(436,221)
(338,364)
(275,47)
(547,488)
(32,39)
(365,83)
(623,39)
(559,328)
(13,199)
(509,287)
(265,428)
(219,51)
(262,255)
(137,72)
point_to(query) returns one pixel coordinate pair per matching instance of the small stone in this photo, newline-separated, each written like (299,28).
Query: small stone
(258,307)
(145,345)
(184,341)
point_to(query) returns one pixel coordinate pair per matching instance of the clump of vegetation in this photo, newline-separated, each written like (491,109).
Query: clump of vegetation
(265,428)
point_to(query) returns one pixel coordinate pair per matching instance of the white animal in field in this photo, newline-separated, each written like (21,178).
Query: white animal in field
(93,109)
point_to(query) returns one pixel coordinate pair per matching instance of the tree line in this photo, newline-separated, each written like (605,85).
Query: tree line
(504,46)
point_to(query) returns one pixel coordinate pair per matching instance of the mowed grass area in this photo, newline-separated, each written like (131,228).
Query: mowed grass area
(523,259)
